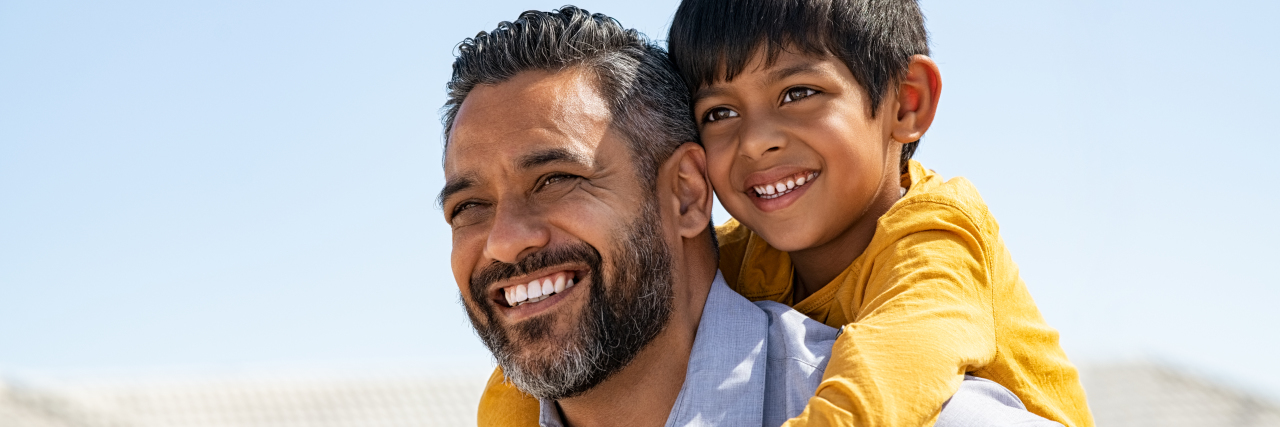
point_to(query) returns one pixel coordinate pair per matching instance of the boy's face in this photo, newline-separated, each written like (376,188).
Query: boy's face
(793,151)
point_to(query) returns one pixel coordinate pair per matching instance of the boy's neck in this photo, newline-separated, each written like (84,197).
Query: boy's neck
(817,266)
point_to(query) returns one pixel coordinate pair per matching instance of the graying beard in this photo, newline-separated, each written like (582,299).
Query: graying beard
(612,332)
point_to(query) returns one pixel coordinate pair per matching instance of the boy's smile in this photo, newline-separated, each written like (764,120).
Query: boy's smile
(794,153)
(779,187)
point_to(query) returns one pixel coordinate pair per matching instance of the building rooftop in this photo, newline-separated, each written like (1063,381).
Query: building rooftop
(1121,394)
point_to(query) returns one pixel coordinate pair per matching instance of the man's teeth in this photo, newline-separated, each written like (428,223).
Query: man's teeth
(538,289)
(784,186)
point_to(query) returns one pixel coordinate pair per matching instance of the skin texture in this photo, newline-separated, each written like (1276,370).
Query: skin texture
(511,208)
(807,114)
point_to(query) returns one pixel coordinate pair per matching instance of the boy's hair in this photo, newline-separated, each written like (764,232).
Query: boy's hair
(712,40)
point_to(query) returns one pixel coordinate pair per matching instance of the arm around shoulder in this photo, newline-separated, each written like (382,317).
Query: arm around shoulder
(923,317)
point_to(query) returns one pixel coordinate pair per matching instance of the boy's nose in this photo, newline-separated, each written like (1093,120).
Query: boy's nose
(758,137)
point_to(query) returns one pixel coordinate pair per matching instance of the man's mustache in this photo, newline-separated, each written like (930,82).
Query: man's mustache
(573,253)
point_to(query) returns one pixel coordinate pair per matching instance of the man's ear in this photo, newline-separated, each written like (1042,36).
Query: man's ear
(917,99)
(686,179)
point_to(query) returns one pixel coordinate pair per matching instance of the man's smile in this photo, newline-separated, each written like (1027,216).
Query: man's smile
(523,297)
(538,289)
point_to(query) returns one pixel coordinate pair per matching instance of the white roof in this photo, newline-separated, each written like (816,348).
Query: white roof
(244,402)
(1148,394)
(1121,394)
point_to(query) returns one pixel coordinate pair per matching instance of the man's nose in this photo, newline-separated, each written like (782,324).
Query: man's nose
(759,136)
(517,229)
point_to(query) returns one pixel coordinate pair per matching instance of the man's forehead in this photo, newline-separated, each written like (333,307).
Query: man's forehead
(535,110)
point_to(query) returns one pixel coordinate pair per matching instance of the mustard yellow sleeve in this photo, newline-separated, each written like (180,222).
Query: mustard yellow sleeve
(732,238)
(923,319)
(503,405)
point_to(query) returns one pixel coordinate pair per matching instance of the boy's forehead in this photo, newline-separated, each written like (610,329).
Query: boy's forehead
(764,70)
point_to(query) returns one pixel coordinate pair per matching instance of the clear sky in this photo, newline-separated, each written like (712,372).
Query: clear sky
(215,185)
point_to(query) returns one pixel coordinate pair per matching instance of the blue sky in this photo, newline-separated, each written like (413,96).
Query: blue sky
(248,183)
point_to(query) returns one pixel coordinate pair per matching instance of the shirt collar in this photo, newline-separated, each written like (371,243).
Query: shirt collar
(725,381)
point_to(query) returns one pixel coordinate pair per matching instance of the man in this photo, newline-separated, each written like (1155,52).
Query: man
(582,244)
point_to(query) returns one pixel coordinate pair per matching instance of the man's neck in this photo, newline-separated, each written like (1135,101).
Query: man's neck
(643,393)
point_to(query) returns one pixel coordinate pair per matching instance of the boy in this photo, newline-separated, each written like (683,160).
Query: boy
(809,111)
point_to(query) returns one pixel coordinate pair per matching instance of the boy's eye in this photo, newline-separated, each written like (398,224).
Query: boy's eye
(719,113)
(797,93)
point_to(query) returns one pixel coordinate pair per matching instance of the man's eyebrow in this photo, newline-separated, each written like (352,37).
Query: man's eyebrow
(453,187)
(528,161)
(552,155)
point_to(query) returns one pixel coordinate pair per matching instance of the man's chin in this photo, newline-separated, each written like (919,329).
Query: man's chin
(539,352)
(550,371)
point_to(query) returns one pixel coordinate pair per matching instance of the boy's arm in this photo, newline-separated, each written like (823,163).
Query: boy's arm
(924,319)
(503,405)
(731,239)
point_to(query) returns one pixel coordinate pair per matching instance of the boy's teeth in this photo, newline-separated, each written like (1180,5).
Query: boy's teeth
(775,190)
(537,289)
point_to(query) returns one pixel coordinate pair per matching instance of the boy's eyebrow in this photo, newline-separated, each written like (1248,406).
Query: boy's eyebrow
(773,77)
(706,91)
(782,73)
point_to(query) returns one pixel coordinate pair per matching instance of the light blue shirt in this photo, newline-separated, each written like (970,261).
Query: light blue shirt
(757,364)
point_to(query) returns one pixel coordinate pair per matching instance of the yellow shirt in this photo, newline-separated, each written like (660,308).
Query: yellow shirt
(934,295)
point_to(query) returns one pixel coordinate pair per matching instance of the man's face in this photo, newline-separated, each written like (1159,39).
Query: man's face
(558,250)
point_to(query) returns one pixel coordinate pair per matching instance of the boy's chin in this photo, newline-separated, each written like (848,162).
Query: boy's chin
(786,239)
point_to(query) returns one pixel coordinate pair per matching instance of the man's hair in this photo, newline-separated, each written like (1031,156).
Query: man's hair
(648,101)
(712,40)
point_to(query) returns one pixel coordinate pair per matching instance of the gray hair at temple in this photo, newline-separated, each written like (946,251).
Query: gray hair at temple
(648,100)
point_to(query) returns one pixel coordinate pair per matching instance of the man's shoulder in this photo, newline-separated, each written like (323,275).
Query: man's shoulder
(798,351)
(792,335)
(982,402)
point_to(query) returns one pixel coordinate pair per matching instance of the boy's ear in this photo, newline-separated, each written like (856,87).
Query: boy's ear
(690,188)
(917,99)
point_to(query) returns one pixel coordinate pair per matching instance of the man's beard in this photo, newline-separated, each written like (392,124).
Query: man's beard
(620,318)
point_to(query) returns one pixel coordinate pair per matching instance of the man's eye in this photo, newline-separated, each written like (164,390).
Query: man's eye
(719,113)
(555,179)
(461,208)
(797,93)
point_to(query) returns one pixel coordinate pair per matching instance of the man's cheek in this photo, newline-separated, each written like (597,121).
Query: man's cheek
(462,260)
(592,222)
